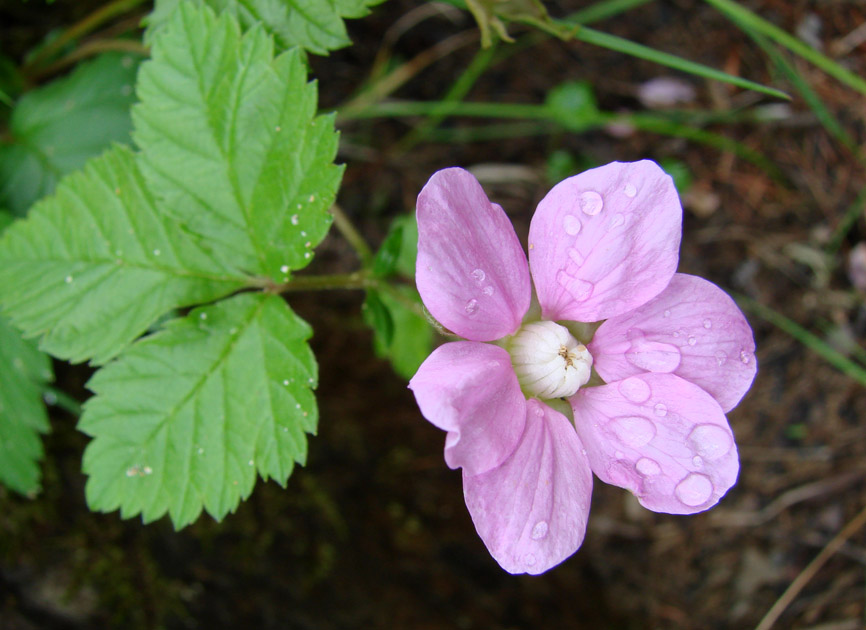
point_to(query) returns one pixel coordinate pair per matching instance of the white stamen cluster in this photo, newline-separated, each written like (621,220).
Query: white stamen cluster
(548,361)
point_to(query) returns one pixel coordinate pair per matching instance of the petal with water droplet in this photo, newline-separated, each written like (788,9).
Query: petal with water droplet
(684,464)
(531,511)
(468,254)
(470,390)
(630,244)
(677,318)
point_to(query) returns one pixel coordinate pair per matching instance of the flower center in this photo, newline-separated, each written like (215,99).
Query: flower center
(548,361)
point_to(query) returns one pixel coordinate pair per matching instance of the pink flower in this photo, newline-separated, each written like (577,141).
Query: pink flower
(539,397)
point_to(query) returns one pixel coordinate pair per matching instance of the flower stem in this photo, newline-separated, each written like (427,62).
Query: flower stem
(355,280)
(351,234)
(83,27)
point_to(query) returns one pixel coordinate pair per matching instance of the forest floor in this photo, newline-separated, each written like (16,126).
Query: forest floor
(372,532)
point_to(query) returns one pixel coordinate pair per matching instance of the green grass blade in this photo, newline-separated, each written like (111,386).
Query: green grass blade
(612,42)
(808,339)
(746,19)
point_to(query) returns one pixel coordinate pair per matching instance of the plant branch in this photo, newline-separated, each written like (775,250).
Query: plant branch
(351,234)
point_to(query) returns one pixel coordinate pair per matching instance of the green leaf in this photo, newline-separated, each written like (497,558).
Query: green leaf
(314,25)
(93,266)
(401,334)
(572,104)
(231,141)
(56,128)
(23,373)
(185,418)
(399,249)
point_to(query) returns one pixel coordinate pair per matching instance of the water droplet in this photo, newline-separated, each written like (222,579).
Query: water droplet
(634,431)
(539,531)
(617,221)
(635,389)
(721,357)
(529,560)
(471,307)
(312,198)
(697,462)
(68,279)
(147,470)
(200,451)
(488,290)
(295,219)
(203,316)
(667,313)
(647,467)
(692,340)
(156,252)
(579,289)
(132,471)
(653,356)
(676,333)
(708,324)
(576,257)
(539,411)
(284,269)
(694,490)
(590,202)
(478,275)
(308,255)
(710,441)
(285,382)
(571,224)
(630,190)
(660,410)
(297,405)
(251,463)
(744,357)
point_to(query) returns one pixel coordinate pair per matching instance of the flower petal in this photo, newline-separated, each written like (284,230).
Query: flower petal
(471,271)
(660,437)
(470,390)
(604,242)
(531,511)
(693,329)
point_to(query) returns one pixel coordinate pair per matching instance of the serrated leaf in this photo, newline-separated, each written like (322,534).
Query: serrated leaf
(315,25)
(93,266)
(231,141)
(403,337)
(185,418)
(56,128)
(23,373)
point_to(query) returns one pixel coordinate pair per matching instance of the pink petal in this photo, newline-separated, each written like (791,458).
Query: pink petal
(531,511)
(470,390)
(604,242)
(471,271)
(692,329)
(660,437)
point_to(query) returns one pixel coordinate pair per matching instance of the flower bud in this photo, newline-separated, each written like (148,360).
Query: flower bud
(548,361)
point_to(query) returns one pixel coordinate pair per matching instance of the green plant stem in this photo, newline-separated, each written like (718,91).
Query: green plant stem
(91,49)
(808,339)
(745,18)
(352,235)
(63,400)
(346,281)
(81,28)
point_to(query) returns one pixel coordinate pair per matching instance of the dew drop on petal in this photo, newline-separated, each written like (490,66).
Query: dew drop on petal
(721,357)
(710,441)
(694,490)
(478,275)
(635,389)
(488,290)
(692,340)
(571,224)
(667,313)
(697,462)
(634,431)
(539,531)
(708,324)
(647,467)
(617,221)
(630,190)
(660,410)
(529,560)
(590,202)
(653,356)
(744,357)
(579,289)
(471,307)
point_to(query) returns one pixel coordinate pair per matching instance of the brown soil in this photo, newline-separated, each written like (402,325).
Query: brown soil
(373,532)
